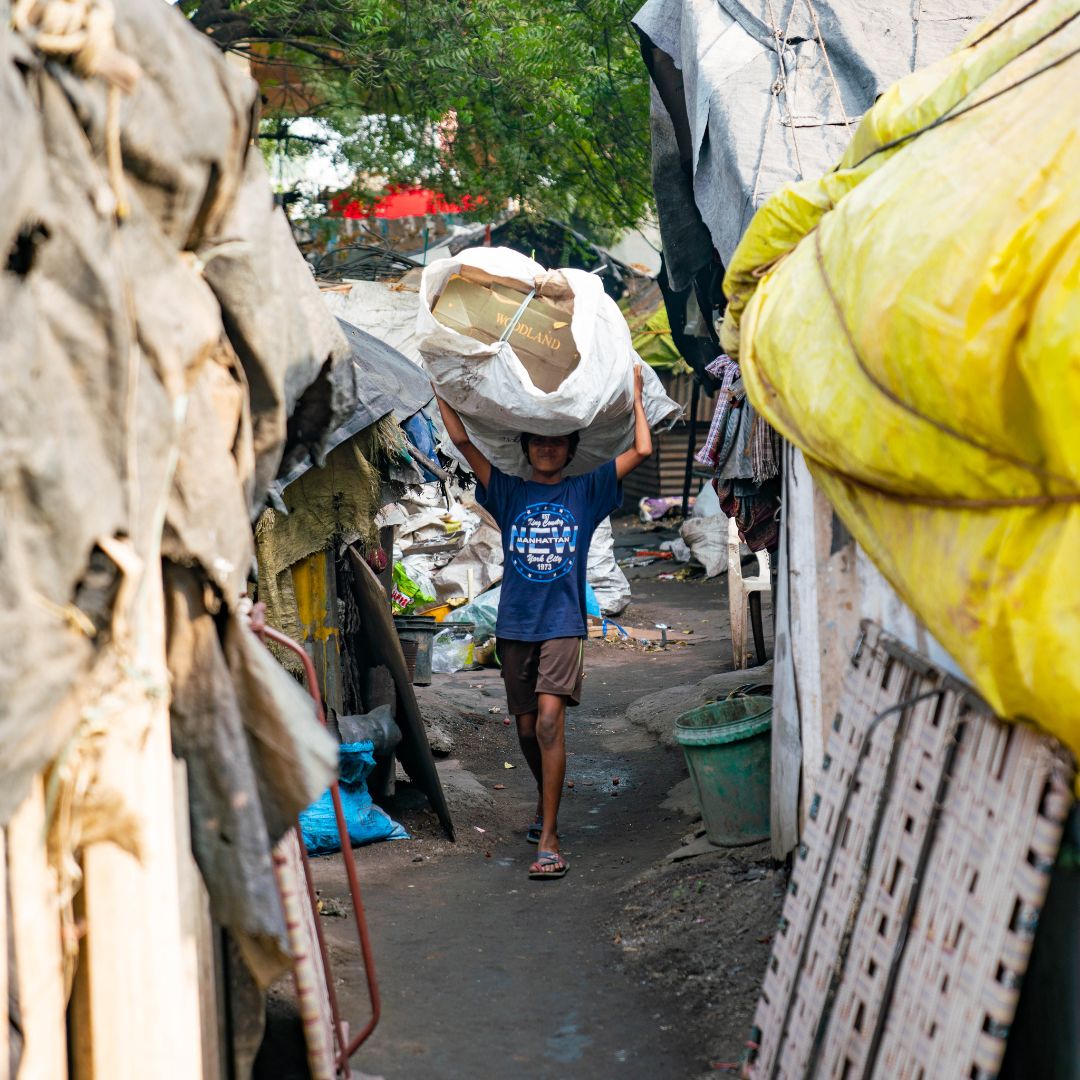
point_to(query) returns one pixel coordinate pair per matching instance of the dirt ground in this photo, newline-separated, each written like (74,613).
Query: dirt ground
(632,965)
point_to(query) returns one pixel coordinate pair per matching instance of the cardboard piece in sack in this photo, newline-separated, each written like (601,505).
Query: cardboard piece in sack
(561,362)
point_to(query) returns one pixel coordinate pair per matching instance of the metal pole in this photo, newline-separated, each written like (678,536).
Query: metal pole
(691,441)
(347,1047)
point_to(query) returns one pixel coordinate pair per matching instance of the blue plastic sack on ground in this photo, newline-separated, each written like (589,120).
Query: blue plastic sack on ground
(366,821)
(592,605)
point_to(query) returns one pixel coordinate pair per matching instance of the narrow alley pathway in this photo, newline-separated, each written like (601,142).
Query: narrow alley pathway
(485,973)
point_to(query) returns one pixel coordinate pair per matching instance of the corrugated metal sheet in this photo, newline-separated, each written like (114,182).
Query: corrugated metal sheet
(662,475)
(679,387)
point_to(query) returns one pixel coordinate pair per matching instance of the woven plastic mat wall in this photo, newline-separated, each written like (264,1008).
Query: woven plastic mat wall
(917,889)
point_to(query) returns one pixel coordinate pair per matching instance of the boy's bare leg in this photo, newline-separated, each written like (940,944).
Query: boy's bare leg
(550,735)
(530,749)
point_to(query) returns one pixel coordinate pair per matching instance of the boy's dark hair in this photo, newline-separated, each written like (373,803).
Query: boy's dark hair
(526,437)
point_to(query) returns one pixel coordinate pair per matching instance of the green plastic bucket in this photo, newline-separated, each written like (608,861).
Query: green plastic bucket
(727,745)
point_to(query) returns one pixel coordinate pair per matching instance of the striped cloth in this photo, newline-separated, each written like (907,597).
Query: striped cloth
(727,371)
(765,450)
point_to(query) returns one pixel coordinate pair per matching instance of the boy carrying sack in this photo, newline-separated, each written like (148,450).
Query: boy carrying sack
(547,523)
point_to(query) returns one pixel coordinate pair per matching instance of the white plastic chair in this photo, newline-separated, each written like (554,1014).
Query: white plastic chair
(743,594)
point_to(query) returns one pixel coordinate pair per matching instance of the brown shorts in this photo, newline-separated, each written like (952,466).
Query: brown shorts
(556,666)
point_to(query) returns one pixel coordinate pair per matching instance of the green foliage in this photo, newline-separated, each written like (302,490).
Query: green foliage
(544,102)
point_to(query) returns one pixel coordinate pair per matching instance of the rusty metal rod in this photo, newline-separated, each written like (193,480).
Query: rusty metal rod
(347,1047)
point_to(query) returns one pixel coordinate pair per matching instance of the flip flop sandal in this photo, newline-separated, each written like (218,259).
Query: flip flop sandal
(534,831)
(550,864)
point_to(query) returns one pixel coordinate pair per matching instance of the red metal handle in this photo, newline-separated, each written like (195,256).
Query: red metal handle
(346,1048)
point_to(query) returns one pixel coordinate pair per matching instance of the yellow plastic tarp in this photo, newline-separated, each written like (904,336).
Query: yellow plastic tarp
(912,322)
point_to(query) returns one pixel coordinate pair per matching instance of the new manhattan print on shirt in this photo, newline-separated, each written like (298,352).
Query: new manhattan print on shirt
(543,542)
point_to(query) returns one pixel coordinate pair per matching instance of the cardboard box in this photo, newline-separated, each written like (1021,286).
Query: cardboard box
(483,307)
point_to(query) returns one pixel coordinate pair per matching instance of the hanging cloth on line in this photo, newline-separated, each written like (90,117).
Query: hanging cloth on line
(713,451)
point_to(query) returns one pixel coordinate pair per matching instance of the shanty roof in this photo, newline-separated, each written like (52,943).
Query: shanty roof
(773,90)
(385,382)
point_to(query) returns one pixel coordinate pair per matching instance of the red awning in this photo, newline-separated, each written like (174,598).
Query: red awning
(400,203)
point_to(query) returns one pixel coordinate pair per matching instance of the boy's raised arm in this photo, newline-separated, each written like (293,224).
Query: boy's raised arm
(460,438)
(630,459)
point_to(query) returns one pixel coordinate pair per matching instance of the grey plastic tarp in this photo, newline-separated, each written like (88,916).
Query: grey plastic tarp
(158,371)
(386,382)
(773,90)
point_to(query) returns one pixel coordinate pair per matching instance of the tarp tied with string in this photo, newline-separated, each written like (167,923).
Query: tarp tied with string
(166,355)
(911,321)
(753,94)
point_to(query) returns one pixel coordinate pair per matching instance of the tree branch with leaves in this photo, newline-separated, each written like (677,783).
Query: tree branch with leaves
(545,103)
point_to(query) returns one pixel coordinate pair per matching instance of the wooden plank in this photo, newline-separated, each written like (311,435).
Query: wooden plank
(827,597)
(137,1009)
(5,1047)
(804,616)
(197,930)
(35,924)
(379,685)
(786,721)
(315,585)
(824,611)
(838,616)
(386,542)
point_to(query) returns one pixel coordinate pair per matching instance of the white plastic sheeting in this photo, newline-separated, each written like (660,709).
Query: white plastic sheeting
(387,312)
(773,90)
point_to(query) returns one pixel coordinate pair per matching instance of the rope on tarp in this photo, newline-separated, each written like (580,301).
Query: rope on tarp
(82,32)
(828,62)
(781,84)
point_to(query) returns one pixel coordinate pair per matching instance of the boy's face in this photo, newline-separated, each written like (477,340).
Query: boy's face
(549,453)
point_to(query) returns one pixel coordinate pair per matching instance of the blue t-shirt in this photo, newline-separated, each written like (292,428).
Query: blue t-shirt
(546,532)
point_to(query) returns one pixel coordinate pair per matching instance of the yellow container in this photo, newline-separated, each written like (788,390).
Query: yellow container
(439,611)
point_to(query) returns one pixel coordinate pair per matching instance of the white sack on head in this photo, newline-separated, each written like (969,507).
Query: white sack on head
(496,398)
